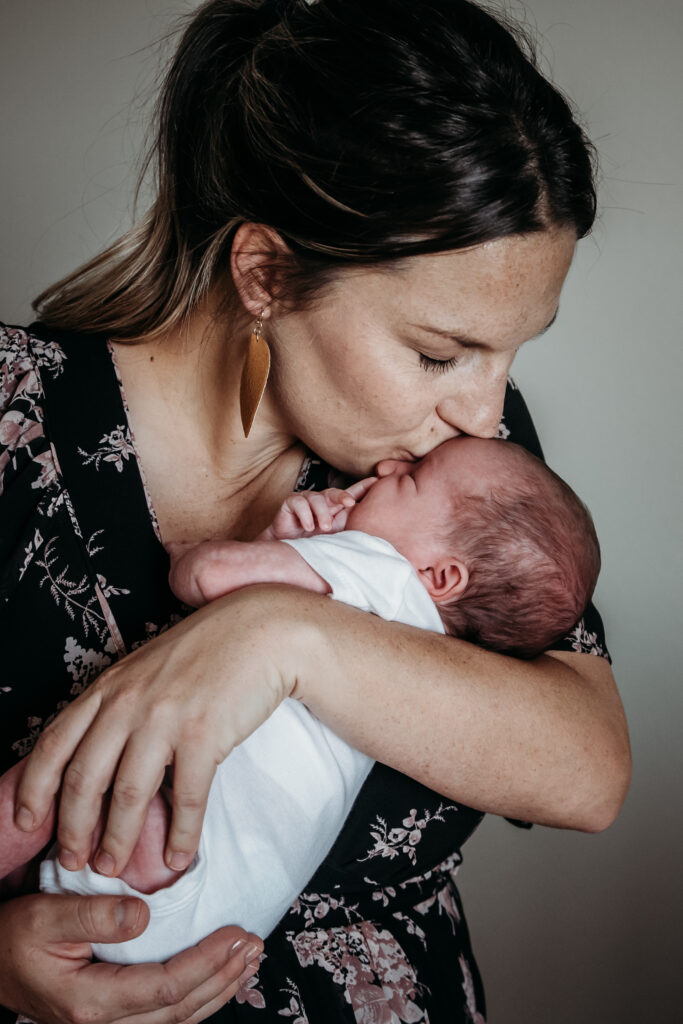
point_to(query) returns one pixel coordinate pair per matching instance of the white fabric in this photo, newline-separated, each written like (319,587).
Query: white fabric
(280,799)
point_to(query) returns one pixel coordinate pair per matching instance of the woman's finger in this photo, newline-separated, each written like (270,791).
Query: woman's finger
(138,778)
(207,997)
(227,994)
(193,773)
(45,766)
(86,780)
(160,992)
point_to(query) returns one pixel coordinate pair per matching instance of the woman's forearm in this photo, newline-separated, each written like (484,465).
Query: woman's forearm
(544,741)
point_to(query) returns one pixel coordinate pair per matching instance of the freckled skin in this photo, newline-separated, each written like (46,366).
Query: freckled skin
(346,376)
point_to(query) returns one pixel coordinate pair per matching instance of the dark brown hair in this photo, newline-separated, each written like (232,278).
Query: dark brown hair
(362,132)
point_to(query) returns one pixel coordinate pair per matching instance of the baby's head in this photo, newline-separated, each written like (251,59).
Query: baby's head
(505,548)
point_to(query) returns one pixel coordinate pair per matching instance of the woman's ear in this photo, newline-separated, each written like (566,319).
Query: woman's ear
(446,580)
(254,248)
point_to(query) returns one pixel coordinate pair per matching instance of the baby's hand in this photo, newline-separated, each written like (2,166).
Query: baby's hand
(306,513)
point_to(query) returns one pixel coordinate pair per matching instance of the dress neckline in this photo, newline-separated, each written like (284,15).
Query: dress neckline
(308,476)
(131,434)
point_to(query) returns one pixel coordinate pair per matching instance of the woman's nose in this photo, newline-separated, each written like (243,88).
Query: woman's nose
(476,411)
(395,467)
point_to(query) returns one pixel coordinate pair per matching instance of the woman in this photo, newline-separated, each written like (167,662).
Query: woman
(396,193)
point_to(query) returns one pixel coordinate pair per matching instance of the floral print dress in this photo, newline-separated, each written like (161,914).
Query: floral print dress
(379,935)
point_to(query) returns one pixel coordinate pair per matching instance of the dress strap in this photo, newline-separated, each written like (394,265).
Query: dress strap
(88,427)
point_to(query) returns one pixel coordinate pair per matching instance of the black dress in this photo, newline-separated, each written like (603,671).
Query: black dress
(379,935)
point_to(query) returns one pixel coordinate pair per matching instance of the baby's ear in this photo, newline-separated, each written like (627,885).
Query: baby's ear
(446,580)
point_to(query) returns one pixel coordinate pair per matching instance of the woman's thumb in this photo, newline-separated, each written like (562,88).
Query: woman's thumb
(99,918)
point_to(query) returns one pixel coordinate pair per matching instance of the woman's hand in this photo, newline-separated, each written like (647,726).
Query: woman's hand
(186,698)
(46,970)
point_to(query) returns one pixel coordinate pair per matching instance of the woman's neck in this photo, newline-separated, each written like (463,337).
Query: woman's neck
(182,392)
(191,378)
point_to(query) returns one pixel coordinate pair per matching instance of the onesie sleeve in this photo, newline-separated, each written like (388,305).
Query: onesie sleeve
(369,573)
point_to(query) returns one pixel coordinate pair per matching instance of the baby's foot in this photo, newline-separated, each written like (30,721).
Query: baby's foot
(146,871)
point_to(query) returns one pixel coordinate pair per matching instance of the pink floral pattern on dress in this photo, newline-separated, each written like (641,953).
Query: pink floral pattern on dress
(295,1009)
(468,989)
(21,426)
(249,993)
(367,961)
(379,982)
(585,642)
(115,448)
(391,842)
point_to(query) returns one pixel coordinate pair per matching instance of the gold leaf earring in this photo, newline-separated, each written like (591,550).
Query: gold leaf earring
(254,375)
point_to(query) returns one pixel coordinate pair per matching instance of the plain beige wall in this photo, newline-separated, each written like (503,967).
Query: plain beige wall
(567,927)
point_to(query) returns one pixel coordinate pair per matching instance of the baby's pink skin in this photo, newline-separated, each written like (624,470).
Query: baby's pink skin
(202,572)
(145,871)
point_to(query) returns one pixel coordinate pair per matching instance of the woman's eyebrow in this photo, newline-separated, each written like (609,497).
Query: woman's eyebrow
(468,342)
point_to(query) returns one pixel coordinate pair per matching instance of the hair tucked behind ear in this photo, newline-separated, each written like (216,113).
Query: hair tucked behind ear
(362,132)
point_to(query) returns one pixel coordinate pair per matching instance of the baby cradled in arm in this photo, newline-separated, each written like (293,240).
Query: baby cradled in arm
(479,539)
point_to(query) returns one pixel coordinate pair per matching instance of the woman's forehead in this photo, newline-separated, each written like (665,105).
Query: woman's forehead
(516,279)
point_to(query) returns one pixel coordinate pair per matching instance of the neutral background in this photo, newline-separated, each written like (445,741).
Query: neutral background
(567,927)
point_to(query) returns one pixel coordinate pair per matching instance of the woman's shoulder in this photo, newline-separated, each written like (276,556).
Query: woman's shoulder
(588,635)
(24,449)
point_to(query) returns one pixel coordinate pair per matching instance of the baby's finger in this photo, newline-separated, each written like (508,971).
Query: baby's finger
(193,774)
(337,498)
(321,510)
(299,506)
(361,487)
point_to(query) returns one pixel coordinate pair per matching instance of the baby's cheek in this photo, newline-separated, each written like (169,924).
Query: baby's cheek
(363,517)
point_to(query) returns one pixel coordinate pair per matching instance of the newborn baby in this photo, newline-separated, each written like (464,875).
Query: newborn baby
(479,539)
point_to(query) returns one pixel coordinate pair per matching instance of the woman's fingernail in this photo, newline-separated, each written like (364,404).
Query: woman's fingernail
(24,819)
(105,863)
(178,861)
(252,952)
(248,972)
(68,860)
(236,945)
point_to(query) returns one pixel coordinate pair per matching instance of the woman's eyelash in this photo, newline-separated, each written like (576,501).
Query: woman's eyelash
(437,365)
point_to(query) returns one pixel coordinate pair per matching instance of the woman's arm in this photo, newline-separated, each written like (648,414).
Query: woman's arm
(545,740)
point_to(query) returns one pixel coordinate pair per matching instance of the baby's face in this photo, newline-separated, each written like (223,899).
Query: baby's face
(411,505)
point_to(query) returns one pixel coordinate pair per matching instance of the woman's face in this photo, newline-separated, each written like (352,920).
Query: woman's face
(392,363)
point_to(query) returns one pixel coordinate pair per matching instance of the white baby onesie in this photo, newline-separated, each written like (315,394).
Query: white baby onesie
(280,799)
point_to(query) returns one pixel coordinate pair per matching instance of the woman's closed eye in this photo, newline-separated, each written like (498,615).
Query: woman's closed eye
(437,365)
